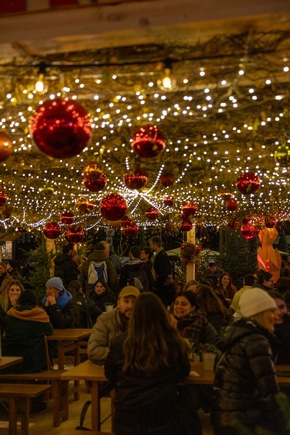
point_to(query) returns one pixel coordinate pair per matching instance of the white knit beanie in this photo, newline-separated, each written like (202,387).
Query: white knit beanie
(255,301)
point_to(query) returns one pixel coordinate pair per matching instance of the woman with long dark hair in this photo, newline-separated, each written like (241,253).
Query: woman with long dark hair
(146,364)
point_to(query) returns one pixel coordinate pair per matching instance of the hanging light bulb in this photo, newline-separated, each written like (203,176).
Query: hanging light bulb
(39,85)
(167,82)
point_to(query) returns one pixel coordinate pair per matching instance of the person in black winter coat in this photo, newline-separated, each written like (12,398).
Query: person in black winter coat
(146,364)
(246,386)
(64,266)
(100,297)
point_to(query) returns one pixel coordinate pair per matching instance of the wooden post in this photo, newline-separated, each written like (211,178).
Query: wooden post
(190,268)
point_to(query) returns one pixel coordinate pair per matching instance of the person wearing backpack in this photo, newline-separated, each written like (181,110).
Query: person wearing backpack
(135,272)
(98,267)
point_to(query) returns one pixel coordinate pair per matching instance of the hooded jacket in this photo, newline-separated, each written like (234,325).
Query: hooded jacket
(25,330)
(245,380)
(112,274)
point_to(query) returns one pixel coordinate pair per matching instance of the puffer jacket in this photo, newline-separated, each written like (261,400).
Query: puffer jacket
(245,380)
(108,326)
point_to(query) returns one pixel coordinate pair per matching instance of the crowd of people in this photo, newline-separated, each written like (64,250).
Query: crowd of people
(145,330)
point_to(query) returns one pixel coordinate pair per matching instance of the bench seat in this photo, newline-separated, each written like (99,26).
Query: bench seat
(18,396)
(59,390)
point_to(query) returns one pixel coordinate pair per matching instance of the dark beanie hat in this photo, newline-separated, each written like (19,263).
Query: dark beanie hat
(135,251)
(27,298)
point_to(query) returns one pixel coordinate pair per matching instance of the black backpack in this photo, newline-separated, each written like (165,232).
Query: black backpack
(138,278)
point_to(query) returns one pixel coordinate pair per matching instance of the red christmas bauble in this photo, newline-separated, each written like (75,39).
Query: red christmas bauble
(248,231)
(189,209)
(129,228)
(231,204)
(6,148)
(52,230)
(113,207)
(152,213)
(248,183)
(167,179)
(270,222)
(67,218)
(148,141)
(61,128)
(168,200)
(92,171)
(3,198)
(186,225)
(97,184)
(74,234)
(136,180)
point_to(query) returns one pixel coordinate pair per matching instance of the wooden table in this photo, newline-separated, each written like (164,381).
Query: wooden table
(7,361)
(94,373)
(68,341)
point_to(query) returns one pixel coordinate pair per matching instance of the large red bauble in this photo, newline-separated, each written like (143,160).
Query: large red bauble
(3,198)
(231,204)
(248,231)
(167,179)
(136,179)
(189,209)
(67,218)
(168,200)
(186,225)
(270,221)
(97,184)
(74,234)
(51,230)
(248,183)
(148,141)
(6,147)
(113,207)
(92,171)
(152,213)
(129,228)
(61,128)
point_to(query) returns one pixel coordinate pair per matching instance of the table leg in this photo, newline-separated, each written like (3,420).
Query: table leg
(95,406)
(60,354)
(12,416)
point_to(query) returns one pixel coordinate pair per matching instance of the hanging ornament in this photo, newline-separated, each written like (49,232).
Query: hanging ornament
(113,207)
(282,155)
(168,200)
(189,209)
(6,147)
(92,171)
(248,231)
(3,198)
(97,184)
(67,218)
(148,141)
(52,230)
(129,228)
(90,206)
(270,221)
(248,183)
(61,128)
(5,212)
(136,180)
(82,204)
(74,234)
(186,225)
(152,213)
(231,204)
(167,179)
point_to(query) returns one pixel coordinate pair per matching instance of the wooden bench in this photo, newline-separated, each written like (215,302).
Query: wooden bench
(59,390)
(18,396)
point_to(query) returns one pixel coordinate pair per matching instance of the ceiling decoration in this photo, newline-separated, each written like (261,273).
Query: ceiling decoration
(226,114)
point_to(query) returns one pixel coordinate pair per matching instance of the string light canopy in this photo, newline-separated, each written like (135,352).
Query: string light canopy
(226,115)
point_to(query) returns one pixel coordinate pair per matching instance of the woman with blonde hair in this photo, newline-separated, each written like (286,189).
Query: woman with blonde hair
(9,297)
(146,364)
(245,385)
